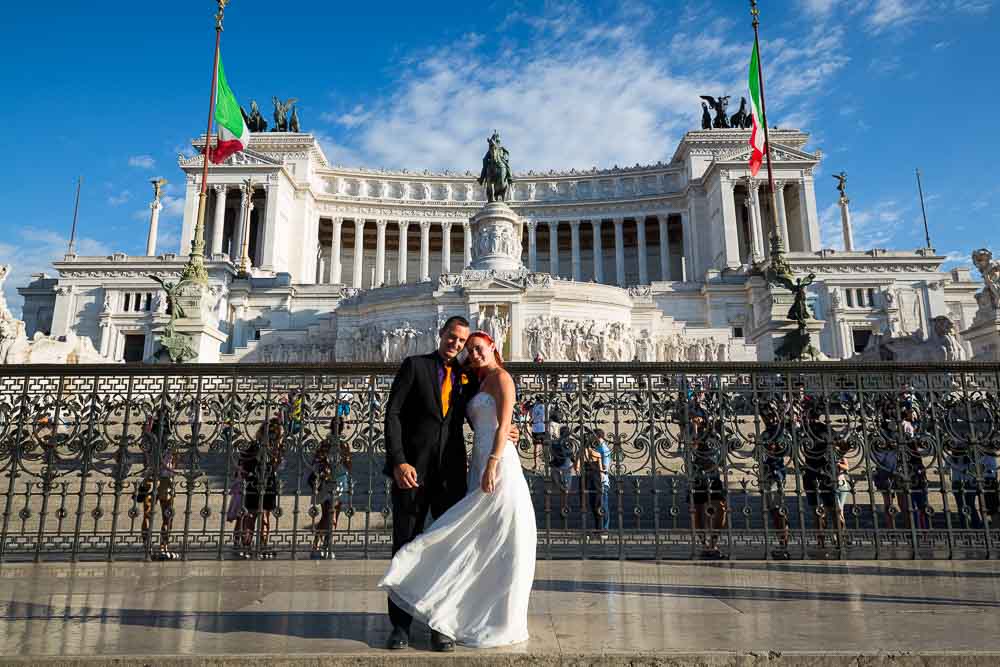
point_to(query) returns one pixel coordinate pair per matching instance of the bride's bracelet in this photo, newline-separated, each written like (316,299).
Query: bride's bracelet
(494,457)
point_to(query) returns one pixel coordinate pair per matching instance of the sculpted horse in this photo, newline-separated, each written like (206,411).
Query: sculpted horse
(496,177)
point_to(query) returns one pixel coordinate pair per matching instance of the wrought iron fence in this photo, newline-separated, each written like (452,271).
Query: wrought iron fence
(702,460)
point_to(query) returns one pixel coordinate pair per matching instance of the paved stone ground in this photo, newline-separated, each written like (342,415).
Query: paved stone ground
(582,613)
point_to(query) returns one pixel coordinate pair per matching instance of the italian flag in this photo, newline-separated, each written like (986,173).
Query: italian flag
(234,135)
(757,133)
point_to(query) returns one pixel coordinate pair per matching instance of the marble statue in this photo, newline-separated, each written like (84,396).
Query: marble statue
(989,269)
(496,325)
(942,344)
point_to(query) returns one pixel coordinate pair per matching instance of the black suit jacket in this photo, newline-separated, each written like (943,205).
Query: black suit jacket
(415,431)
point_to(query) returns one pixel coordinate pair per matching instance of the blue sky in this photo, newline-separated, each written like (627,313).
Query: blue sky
(114,90)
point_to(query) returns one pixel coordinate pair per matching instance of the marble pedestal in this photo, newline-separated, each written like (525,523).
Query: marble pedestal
(496,239)
(984,337)
(200,325)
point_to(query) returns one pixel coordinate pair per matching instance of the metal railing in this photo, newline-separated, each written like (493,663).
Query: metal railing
(733,460)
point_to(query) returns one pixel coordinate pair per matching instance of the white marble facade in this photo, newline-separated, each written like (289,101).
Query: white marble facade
(646,262)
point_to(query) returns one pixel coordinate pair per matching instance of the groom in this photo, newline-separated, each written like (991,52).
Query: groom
(425,450)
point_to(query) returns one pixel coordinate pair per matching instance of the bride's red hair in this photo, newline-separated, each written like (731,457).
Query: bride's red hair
(489,339)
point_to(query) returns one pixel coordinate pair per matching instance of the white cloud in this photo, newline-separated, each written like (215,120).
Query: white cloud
(121,198)
(32,251)
(894,14)
(819,7)
(142,161)
(874,227)
(605,96)
(973,6)
(957,258)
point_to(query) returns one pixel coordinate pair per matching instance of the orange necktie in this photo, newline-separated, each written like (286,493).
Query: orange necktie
(445,391)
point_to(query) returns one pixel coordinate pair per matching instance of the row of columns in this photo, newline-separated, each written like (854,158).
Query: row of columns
(219,223)
(403,226)
(596,225)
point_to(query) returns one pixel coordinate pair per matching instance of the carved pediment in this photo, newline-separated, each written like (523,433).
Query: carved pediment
(246,158)
(780,153)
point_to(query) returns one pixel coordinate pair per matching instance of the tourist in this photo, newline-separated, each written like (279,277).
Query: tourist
(595,459)
(330,483)
(708,496)
(561,464)
(822,466)
(966,472)
(775,441)
(539,427)
(157,481)
(259,465)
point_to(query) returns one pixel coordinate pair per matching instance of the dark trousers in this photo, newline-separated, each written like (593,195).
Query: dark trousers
(409,513)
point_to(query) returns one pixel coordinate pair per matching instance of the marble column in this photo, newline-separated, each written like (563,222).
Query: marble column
(640,228)
(554,247)
(380,252)
(598,251)
(757,222)
(688,261)
(236,243)
(359,251)
(845,223)
(320,267)
(532,245)
(779,202)
(664,248)
(619,252)
(401,264)
(154,223)
(811,240)
(467,243)
(335,266)
(218,224)
(425,251)
(268,230)
(729,252)
(574,230)
(446,247)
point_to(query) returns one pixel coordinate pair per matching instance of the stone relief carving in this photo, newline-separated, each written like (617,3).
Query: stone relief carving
(375,343)
(558,339)
(496,325)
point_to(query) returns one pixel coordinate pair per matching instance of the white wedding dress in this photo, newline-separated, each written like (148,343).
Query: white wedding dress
(469,576)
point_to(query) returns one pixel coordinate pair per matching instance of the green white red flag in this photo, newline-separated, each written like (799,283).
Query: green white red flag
(234,135)
(757,133)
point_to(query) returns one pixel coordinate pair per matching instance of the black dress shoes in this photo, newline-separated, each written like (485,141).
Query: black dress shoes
(398,639)
(440,642)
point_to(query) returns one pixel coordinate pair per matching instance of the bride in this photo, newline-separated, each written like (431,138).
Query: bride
(469,576)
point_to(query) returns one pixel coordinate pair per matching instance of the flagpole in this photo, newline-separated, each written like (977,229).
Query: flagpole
(71,249)
(195,269)
(923,210)
(763,111)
